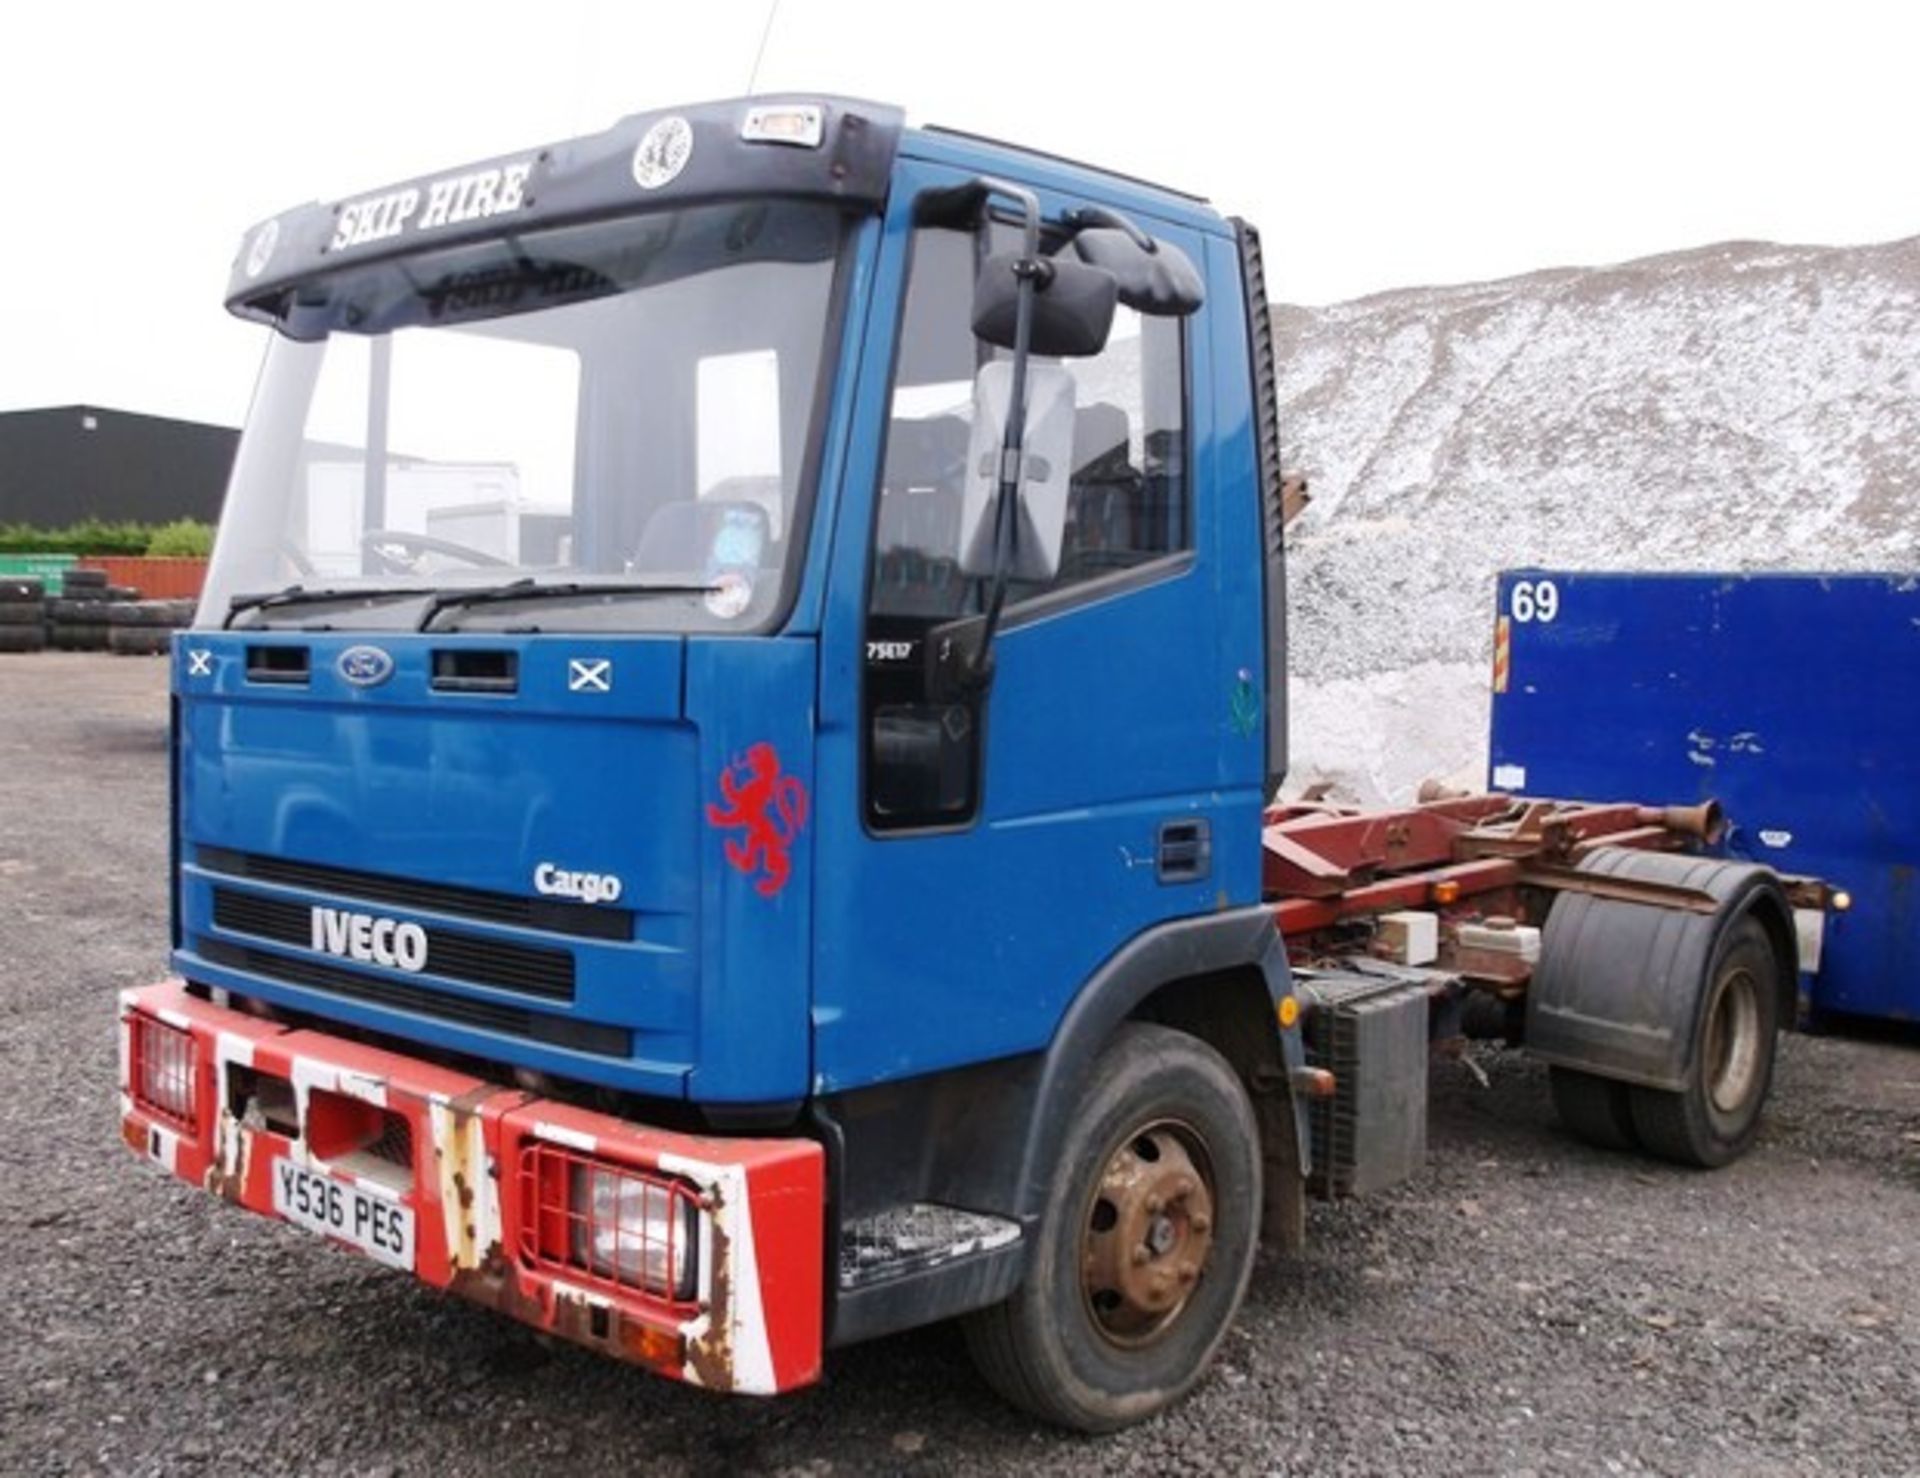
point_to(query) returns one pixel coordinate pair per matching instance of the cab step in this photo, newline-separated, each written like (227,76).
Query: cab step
(910,1239)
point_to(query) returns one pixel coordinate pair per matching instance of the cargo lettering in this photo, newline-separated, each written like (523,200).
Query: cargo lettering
(588,887)
(369,939)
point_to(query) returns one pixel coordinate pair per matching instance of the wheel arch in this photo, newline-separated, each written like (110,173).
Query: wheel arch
(1221,978)
(1775,914)
(1620,983)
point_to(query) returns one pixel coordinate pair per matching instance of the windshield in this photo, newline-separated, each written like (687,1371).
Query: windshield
(622,411)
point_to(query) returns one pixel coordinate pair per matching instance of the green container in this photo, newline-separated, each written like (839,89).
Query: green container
(49,569)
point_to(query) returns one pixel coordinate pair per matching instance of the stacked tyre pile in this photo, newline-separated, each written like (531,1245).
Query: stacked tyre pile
(145,628)
(23,615)
(77,619)
(88,616)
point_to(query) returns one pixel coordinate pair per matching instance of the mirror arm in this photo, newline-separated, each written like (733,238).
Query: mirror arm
(1033,271)
(1083,216)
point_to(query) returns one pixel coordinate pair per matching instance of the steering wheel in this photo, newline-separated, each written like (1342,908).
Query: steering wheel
(378,542)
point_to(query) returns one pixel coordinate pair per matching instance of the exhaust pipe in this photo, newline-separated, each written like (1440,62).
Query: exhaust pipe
(1705,822)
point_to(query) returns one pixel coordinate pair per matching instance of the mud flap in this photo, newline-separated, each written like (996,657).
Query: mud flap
(1618,989)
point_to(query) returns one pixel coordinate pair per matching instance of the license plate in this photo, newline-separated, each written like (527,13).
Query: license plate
(380,1228)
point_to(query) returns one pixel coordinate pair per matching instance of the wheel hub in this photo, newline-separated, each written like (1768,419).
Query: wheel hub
(1149,1231)
(1733,1042)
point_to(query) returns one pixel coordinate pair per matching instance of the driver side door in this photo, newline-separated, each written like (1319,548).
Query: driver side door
(986,854)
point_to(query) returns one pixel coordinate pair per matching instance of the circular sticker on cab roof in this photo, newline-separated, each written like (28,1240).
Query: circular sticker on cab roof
(260,249)
(662,153)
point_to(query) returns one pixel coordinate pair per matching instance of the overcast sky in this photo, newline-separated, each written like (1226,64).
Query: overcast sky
(1378,145)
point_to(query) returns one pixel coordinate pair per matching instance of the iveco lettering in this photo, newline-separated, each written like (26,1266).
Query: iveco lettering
(736,717)
(375,941)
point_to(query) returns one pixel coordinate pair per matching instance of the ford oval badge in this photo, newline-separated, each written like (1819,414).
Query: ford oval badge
(365,667)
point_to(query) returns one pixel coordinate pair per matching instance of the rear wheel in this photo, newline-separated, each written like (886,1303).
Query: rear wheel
(1715,1116)
(1594,1109)
(1146,1243)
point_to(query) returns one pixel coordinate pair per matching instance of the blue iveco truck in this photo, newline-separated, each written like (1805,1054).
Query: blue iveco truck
(722,779)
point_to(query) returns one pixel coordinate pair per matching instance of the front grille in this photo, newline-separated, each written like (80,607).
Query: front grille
(553,916)
(493,1016)
(547,973)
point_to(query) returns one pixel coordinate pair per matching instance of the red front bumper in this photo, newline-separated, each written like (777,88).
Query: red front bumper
(223,1099)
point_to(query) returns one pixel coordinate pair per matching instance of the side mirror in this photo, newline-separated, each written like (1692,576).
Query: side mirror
(1072,305)
(1046,465)
(1153,277)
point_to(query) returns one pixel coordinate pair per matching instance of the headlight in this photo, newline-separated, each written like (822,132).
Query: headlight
(639,1232)
(163,1069)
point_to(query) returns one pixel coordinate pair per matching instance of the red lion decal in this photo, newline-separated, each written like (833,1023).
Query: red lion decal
(768,809)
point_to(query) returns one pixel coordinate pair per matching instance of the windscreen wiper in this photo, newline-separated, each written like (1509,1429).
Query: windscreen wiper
(528,588)
(299,595)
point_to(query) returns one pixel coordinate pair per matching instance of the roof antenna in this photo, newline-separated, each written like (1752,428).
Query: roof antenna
(753,77)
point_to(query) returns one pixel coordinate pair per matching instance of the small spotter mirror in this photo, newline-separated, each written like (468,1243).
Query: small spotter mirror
(1072,306)
(1152,276)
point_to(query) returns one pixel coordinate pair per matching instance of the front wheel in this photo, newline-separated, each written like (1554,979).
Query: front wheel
(1146,1243)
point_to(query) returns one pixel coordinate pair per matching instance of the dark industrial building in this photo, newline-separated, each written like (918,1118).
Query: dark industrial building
(70,462)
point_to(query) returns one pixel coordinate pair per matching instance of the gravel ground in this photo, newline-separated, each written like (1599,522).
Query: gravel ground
(1524,1306)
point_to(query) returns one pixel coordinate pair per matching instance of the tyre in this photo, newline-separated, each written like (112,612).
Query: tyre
(1593,1109)
(1713,1119)
(23,638)
(139,641)
(16,590)
(20,613)
(1145,1244)
(73,612)
(165,614)
(67,637)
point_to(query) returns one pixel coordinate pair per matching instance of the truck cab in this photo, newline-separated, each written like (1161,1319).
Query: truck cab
(647,708)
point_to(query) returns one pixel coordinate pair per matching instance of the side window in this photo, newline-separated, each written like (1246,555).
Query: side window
(1128,500)
(1127,505)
